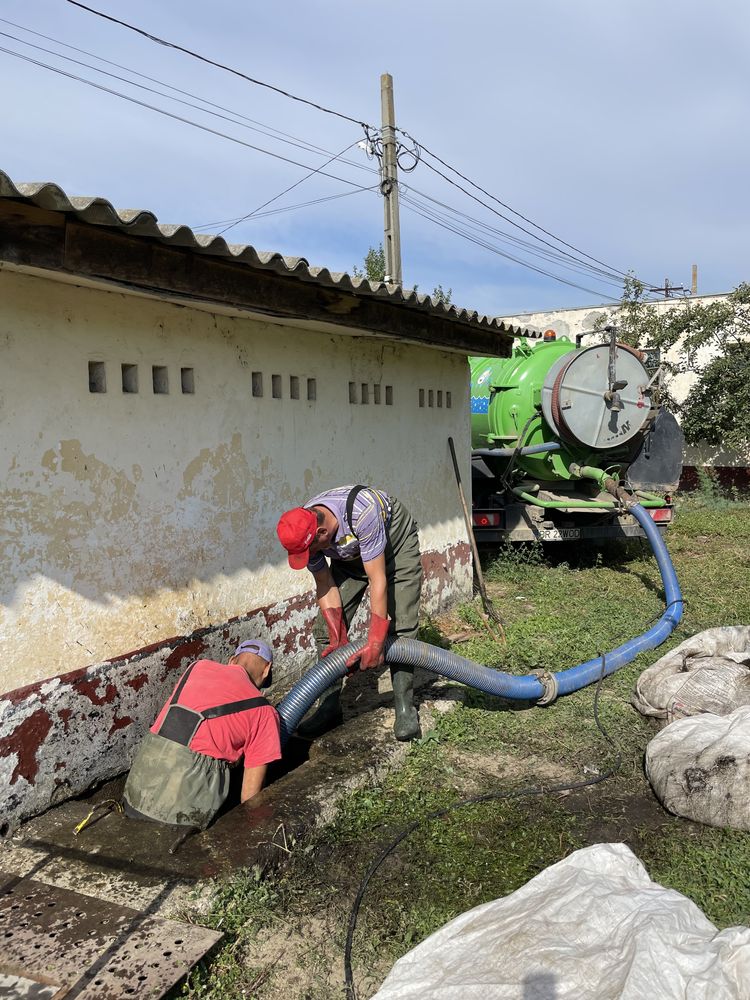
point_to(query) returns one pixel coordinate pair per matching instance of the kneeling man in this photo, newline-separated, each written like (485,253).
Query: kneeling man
(215,716)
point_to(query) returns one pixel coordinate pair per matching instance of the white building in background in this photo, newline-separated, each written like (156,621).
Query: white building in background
(729,466)
(164,398)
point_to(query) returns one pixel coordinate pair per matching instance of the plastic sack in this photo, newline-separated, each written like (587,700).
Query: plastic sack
(700,768)
(710,672)
(592,927)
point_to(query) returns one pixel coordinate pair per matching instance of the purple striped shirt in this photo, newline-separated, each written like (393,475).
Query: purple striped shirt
(370,519)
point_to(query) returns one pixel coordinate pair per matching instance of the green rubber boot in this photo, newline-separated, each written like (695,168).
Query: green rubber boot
(326,716)
(406,723)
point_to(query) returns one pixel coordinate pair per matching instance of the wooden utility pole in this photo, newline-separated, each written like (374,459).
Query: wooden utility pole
(389,184)
(694,282)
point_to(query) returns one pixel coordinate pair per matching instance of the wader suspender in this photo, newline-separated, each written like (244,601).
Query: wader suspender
(353,494)
(180,723)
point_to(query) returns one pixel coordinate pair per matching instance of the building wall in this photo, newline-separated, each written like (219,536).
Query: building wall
(142,524)
(571,322)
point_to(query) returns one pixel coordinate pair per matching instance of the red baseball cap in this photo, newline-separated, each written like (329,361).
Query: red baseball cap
(296,530)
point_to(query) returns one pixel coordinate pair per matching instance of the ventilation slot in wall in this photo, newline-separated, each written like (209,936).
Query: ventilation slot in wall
(276,386)
(257,383)
(187,381)
(293,387)
(160,379)
(352,392)
(97,377)
(312,390)
(389,395)
(435,397)
(365,397)
(376,394)
(130,378)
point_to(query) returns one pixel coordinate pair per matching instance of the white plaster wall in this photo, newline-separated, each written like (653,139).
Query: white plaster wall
(135,517)
(571,322)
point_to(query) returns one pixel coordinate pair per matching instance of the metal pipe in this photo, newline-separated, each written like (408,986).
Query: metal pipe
(532,449)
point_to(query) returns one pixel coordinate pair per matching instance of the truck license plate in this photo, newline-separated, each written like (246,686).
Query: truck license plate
(558,534)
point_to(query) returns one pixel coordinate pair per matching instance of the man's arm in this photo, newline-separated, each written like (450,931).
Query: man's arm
(326,592)
(252,781)
(375,569)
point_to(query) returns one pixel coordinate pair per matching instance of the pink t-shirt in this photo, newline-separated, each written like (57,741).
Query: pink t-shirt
(252,734)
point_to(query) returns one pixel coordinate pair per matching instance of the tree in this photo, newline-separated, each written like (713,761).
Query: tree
(717,407)
(374,270)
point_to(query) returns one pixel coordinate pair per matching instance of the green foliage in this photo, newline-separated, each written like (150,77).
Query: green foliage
(374,269)
(717,409)
(439,295)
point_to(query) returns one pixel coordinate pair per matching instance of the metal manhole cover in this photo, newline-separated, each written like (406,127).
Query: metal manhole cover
(80,946)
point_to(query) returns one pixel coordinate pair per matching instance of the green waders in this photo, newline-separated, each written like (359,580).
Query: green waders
(403,570)
(169,782)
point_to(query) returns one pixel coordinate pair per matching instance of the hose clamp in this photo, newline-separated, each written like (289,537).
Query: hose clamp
(549,683)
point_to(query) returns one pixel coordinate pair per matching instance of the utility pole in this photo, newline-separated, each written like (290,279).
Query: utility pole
(389,184)
(694,282)
(668,290)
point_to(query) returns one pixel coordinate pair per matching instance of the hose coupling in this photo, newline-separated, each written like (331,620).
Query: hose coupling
(549,683)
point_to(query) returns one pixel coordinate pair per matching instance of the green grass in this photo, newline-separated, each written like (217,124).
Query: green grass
(556,614)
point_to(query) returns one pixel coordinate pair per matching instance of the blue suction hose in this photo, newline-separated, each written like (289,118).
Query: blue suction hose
(308,689)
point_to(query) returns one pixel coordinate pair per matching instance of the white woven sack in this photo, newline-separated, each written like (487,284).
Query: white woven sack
(700,768)
(710,672)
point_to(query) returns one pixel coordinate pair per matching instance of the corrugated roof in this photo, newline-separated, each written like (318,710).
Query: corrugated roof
(140,222)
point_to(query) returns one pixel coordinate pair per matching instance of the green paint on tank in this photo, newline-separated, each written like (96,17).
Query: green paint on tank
(506,394)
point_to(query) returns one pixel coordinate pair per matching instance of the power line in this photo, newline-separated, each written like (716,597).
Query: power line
(532,248)
(231,116)
(172,115)
(287,208)
(505,206)
(286,190)
(212,62)
(488,246)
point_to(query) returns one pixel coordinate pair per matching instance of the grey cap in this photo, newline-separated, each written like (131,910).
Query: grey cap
(256,646)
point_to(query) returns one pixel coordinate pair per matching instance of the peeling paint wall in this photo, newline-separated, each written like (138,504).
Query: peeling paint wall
(135,517)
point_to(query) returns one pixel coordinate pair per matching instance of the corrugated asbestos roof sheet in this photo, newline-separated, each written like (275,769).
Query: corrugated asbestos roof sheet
(139,222)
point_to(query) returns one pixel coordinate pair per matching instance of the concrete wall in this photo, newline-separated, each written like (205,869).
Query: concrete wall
(571,322)
(142,524)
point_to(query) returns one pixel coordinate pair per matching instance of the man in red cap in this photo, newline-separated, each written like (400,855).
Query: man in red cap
(371,540)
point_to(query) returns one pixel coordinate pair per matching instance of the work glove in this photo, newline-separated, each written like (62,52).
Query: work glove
(371,654)
(334,619)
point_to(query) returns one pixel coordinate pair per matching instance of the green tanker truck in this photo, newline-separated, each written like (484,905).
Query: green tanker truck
(565,436)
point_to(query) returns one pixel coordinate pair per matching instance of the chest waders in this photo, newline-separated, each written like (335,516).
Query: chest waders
(169,782)
(403,568)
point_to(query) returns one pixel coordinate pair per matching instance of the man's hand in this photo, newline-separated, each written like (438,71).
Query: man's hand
(371,654)
(337,636)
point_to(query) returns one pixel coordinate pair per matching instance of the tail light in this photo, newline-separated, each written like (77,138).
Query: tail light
(487,518)
(661,513)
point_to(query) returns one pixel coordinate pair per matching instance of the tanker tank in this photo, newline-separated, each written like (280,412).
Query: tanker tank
(551,422)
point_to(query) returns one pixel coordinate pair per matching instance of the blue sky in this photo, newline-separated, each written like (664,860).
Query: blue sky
(619,127)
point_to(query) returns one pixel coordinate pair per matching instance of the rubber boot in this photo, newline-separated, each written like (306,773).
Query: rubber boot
(406,723)
(326,716)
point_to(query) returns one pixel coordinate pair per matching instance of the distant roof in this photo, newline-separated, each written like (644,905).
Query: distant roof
(142,223)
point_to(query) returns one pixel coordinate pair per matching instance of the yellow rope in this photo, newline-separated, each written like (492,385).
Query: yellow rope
(112,803)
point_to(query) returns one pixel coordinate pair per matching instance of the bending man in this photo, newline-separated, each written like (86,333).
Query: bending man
(215,716)
(371,540)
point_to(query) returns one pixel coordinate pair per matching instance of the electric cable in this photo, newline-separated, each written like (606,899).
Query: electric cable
(289,208)
(523,792)
(517,260)
(506,206)
(212,62)
(286,190)
(409,192)
(172,115)
(460,229)
(231,116)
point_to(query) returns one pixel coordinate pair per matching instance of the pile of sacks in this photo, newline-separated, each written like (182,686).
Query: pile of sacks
(699,764)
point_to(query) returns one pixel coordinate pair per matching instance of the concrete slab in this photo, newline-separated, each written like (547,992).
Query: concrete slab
(124,861)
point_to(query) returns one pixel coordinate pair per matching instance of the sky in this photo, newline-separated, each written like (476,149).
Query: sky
(620,128)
